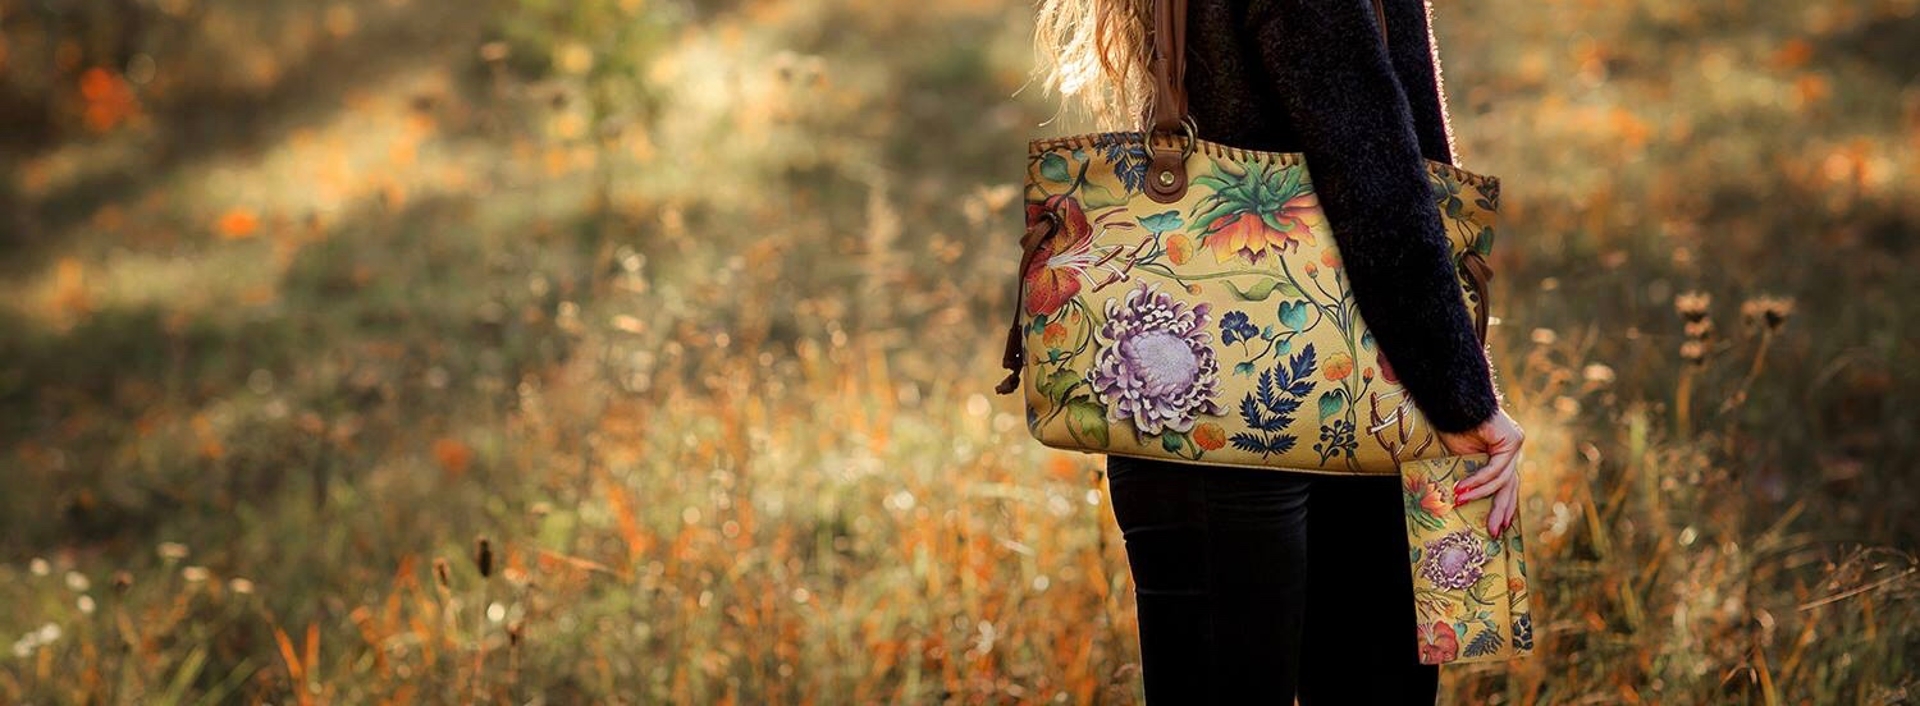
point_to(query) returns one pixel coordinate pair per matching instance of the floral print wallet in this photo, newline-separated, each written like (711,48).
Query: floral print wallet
(1469,589)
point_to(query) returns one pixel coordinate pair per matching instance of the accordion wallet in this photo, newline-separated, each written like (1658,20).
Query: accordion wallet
(1470,589)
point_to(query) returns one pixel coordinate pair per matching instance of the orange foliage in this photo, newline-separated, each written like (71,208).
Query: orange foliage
(109,100)
(237,224)
(453,455)
(1793,53)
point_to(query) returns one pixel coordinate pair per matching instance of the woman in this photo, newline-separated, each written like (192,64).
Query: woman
(1254,585)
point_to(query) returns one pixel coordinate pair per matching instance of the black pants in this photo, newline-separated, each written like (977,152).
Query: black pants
(1254,586)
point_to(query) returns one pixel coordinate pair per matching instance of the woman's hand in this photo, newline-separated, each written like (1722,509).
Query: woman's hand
(1500,438)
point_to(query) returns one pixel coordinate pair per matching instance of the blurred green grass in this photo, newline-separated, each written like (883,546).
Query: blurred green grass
(671,305)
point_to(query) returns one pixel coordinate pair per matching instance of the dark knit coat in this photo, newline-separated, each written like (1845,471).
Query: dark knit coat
(1312,76)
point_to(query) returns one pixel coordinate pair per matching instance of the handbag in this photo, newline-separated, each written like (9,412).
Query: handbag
(1470,592)
(1183,299)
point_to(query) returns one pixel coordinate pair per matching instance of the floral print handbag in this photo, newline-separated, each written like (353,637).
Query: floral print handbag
(1470,592)
(1184,299)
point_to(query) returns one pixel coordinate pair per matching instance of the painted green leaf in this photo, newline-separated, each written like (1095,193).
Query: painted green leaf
(1170,442)
(1272,219)
(1093,195)
(1264,289)
(1330,403)
(1087,421)
(1210,181)
(1056,385)
(1486,583)
(1243,369)
(1053,167)
(1208,218)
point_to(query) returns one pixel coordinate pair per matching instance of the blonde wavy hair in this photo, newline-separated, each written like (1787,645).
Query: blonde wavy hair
(1095,53)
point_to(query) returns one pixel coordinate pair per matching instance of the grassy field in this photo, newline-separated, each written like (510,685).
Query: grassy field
(392,351)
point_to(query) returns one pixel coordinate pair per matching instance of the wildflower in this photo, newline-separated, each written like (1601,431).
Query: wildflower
(39,567)
(1700,330)
(173,551)
(78,581)
(1692,305)
(1597,373)
(195,574)
(1694,352)
(1771,311)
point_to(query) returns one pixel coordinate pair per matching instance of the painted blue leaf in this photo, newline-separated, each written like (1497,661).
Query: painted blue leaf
(1302,363)
(1293,314)
(1485,643)
(1162,222)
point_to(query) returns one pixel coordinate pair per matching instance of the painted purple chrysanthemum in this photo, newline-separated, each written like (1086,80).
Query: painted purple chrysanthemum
(1155,364)
(1453,561)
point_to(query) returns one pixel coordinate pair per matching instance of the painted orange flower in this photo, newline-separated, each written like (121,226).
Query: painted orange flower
(1209,436)
(1330,258)
(1060,262)
(1431,497)
(1054,334)
(1338,366)
(1266,209)
(1179,248)
(1437,500)
(1438,643)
